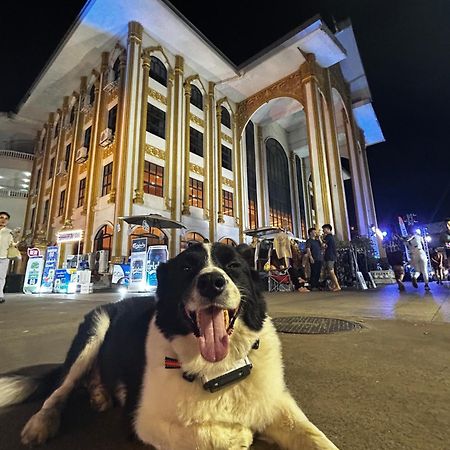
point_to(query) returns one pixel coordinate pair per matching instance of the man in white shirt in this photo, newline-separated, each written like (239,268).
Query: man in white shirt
(6,239)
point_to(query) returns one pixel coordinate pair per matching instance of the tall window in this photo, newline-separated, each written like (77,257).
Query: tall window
(81,192)
(196,141)
(62,199)
(226,120)
(196,97)
(251,176)
(227,202)
(228,241)
(103,239)
(38,179)
(33,213)
(57,126)
(278,179)
(158,71)
(301,198)
(112,116)
(87,137)
(67,156)
(226,158)
(107,178)
(52,168)
(153,179)
(195,193)
(156,121)
(46,209)
(92,94)
(72,115)
(116,69)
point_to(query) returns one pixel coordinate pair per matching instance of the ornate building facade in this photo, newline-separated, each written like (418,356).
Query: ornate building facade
(154,119)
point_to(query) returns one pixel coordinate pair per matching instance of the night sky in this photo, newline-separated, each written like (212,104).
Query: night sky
(404,46)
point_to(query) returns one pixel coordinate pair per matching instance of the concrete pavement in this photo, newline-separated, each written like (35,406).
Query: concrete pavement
(384,387)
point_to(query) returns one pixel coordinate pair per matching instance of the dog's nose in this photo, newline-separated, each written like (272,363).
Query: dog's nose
(211,284)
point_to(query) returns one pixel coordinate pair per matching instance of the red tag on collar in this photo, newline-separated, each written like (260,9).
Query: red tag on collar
(171,363)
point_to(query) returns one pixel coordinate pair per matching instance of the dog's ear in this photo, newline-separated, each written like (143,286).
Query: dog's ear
(247,253)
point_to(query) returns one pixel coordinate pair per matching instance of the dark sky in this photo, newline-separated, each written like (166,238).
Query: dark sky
(404,45)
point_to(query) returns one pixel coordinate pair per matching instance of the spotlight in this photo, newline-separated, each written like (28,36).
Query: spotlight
(428,238)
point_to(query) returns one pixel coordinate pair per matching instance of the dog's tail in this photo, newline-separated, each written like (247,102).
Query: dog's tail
(17,388)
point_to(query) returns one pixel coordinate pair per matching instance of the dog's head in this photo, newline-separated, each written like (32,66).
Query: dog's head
(205,291)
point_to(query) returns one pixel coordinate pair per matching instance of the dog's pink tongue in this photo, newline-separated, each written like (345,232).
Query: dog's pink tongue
(214,338)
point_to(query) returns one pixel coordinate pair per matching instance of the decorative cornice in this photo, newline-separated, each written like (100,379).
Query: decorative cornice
(196,169)
(157,96)
(154,151)
(83,167)
(227,138)
(228,182)
(197,120)
(109,150)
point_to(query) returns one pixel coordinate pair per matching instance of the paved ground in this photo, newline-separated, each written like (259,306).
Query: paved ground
(384,387)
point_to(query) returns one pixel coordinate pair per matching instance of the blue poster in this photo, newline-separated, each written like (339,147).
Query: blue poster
(65,281)
(156,255)
(48,275)
(138,259)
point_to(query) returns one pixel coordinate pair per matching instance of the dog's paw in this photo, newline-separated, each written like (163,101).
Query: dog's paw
(41,427)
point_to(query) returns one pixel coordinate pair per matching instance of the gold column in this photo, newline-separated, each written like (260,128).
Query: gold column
(32,184)
(260,198)
(320,187)
(187,145)
(238,189)
(45,167)
(77,137)
(178,83)
(168,131)
(54,197)
(341,203)
(139,191)
(295,207)
(118,139)
(96,157)
(220,218)
(133,52)
(210,150)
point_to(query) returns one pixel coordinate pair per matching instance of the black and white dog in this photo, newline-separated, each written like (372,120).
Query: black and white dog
(199,368)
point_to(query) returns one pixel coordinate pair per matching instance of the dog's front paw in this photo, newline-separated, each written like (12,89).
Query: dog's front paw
(41,427)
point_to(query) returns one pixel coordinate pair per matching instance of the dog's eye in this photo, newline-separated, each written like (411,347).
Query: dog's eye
(187,268)
(233,265)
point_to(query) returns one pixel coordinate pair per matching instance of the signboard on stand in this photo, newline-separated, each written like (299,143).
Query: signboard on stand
(65,281)
(138,262)
(48,275)
(156,255)
(33,274)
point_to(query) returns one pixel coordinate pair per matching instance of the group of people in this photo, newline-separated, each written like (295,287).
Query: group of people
(306,268)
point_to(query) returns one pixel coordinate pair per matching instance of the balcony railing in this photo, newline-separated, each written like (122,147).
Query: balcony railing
(13,154)
(13,193)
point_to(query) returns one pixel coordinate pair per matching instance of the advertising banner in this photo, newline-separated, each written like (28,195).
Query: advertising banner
(48,275)
(138,260)
(65,281)
(156,255)
(33,275)
(121,274)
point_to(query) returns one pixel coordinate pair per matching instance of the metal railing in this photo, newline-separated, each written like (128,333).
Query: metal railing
(13,193)
(13,154)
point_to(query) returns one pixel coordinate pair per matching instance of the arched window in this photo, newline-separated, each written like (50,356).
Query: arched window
(251,176)
(154,236)
(301,197)
(196,97)
(92,95)
(226,119)
(191,237)
(278,180)
(228,241)
(103,238)
(158,71)
(116,69)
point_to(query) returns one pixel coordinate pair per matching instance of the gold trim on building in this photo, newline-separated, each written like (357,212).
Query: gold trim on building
(227,138)
(199,170)
(228,182)
(197,120)
(153,93)
(155,151)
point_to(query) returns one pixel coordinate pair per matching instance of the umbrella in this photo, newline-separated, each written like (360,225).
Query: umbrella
(153,220)
(262,231)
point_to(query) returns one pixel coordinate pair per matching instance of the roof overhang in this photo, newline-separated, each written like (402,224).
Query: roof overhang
(367,120)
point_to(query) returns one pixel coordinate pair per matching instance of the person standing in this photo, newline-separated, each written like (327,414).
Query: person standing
(6,240)
(330,255)
(437,263)
(315,257)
